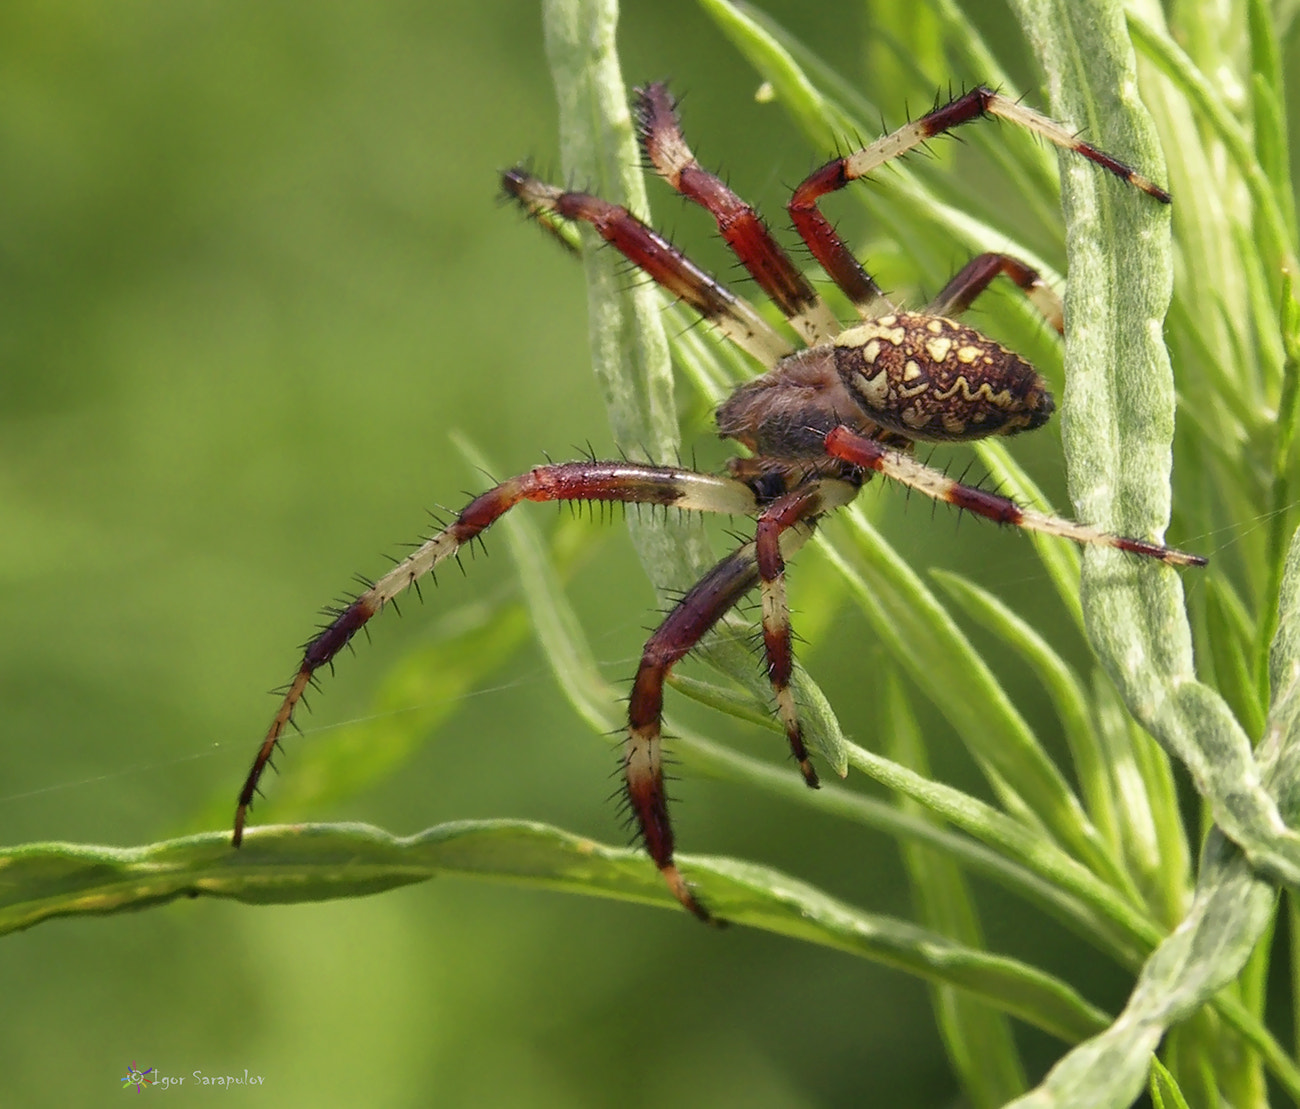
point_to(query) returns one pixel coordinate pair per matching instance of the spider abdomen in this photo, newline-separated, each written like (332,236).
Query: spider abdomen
(927,377)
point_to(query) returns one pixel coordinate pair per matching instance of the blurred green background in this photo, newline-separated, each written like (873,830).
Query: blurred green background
(254,273)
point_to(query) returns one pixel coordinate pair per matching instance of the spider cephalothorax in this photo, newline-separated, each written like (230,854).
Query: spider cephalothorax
(819,422)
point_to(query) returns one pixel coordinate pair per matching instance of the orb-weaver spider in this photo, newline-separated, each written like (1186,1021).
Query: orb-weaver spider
(819,423)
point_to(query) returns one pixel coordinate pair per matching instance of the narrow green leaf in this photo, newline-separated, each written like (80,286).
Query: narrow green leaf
(922,636)
(1119,403)
(628,347)
(1118,926)
(768,900)
(1062,685)
(1293,932)
(290,863)
(1268,99)
(1230,636)
(282,864)
(1172,879)
(1159,862)
(980,1043)
(1232,909)
(1164,1091)
(1174,63)
(1022,860)
(1281,509)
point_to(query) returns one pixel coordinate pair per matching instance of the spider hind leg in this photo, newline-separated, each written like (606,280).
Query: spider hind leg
(834,254)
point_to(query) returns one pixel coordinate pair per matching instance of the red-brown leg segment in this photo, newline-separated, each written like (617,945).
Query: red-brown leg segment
(795,507)
(628,482)
(976,275)
(691,618)
(869,454)
(650,252)
(831,251)
(839,262)
(742,227)
(783,527)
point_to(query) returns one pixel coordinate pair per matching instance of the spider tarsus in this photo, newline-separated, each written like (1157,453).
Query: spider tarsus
(683,892)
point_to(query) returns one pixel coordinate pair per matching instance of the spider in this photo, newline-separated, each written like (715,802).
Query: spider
(819,423)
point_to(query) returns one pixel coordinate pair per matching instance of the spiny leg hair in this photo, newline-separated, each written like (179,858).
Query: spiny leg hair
(783,527)
(685,625)
(655,256)
(870,454)
(628,482)
(690,619)
(832,252)
(804,503)
(743,228)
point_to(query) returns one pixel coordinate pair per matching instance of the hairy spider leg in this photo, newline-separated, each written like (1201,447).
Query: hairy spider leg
(804,503)
(744,230)
(645,248)
(659,129)
(711,598)
(681,630)
(831,251)
(629,482)
(869,454)
(976,275)
(784,525)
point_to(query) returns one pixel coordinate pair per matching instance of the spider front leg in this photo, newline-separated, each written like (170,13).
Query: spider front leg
(629,482)
(743,228)
(870,454)
(655,256)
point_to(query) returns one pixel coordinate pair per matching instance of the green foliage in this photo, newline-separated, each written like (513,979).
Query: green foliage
(1075,807)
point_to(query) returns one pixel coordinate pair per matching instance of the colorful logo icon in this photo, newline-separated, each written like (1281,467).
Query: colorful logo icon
(138,1078)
